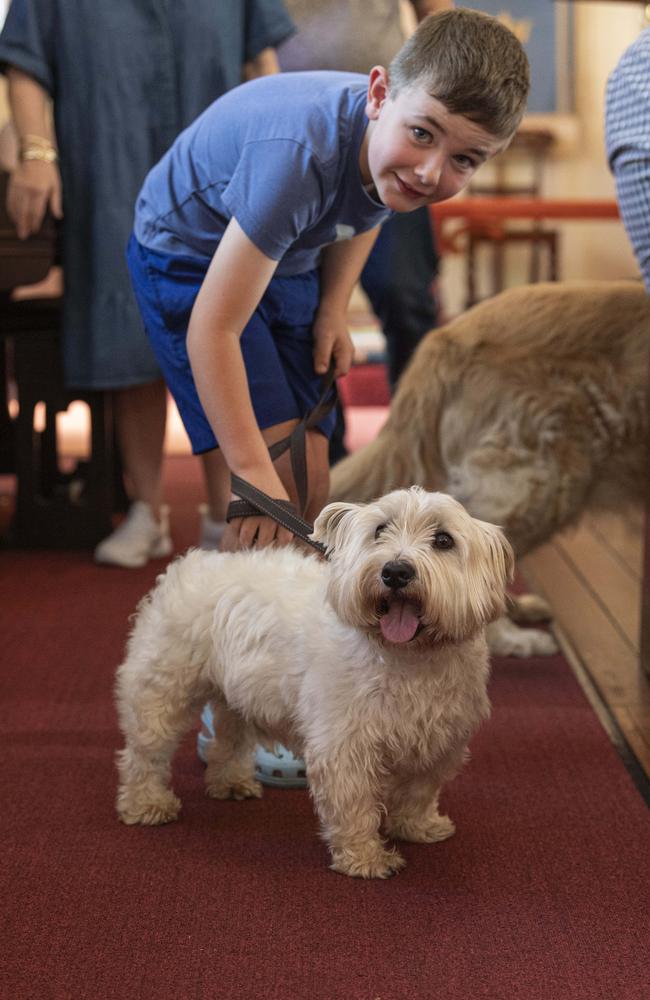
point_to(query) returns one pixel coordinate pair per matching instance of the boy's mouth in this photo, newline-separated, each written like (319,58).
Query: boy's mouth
(407,190)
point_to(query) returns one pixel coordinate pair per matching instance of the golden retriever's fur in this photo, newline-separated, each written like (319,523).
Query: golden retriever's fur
(528,408)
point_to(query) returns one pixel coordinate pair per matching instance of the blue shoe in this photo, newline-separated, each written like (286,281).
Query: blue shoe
(280,769)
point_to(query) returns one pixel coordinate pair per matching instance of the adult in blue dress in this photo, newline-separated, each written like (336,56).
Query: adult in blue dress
(125,78)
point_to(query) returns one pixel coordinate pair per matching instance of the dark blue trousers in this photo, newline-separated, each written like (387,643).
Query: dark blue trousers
(397,279)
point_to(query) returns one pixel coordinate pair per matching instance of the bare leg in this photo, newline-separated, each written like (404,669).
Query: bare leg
(229,758)
(140,416)
(319,474)
(217,477)
(217,482)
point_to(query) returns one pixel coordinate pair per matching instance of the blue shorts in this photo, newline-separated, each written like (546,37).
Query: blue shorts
(277,342)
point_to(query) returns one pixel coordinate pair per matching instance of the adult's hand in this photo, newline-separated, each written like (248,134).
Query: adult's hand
(34,187)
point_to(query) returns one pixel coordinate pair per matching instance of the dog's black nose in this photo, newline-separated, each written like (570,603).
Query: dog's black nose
(397,574)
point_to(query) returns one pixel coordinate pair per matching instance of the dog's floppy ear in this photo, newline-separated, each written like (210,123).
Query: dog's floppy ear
(500,563)
(328,524)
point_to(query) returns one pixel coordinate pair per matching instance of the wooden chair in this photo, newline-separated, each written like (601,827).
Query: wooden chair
(49,513)
(528,151)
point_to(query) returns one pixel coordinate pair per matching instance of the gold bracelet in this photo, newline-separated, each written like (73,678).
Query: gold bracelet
(36,140)
(46,154)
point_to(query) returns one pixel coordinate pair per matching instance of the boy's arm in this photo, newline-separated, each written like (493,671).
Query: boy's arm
(265,63)
(342,264)
(425,7)
(35,184)
(234,284)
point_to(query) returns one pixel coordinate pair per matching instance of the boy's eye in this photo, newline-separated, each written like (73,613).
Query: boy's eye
(420,134)
(464,162)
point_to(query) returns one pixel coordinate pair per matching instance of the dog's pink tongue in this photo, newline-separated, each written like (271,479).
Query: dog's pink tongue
(400,623)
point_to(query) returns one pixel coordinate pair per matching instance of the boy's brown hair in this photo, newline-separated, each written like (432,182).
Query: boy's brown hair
(471,63)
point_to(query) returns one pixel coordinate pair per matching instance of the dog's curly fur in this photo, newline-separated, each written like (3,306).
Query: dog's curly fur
(373,666)
(528,408)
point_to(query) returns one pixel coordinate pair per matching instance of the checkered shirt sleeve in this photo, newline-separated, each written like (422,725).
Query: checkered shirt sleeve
(627,135)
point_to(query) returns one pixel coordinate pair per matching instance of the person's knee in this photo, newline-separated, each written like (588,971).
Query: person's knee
(217,482)
(319,489)
(319,474)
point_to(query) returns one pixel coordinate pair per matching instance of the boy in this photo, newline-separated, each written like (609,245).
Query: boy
(251,233)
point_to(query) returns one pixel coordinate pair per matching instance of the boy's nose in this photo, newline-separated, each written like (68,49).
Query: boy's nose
(428,172)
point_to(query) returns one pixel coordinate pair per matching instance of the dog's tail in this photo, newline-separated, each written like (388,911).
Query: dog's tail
(406,450)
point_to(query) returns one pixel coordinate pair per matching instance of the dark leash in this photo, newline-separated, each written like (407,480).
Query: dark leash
(254,502)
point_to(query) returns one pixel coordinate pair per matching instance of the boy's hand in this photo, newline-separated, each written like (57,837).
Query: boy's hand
(341,265)
(332,340)
(33,187)
(259,532)
(262,531)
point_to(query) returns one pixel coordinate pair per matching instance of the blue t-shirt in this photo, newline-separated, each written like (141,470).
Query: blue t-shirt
(281,155)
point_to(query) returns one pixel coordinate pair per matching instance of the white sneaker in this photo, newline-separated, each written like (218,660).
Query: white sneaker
(138,538)
(211,531)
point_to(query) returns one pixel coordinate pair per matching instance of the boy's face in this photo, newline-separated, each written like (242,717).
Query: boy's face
(415,151)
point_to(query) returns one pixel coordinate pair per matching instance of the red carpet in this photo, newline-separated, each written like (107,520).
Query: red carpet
(541,895)
(365,385)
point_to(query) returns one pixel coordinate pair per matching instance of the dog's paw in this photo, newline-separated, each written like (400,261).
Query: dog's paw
(153,812)
(542,643)
(507,639)
(428,830)
(376,862)
(528,609)
(243,788)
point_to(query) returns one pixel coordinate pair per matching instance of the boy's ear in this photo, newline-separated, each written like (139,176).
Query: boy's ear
(377,91)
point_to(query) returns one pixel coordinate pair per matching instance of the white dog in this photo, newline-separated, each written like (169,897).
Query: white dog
(372,666)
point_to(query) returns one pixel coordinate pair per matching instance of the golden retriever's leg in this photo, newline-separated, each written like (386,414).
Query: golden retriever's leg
(507,639)
(230,757)
(528,609)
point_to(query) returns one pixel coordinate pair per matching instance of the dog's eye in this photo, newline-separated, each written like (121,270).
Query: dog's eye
(378,530)
(443,540)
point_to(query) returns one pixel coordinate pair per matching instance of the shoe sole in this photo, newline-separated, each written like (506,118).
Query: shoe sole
(162,549)
(269,780)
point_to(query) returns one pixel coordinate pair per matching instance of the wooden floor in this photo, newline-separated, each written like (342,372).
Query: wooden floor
(591,577)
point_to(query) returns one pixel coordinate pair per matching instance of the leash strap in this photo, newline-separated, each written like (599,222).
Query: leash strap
(254,501)
(296,442)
